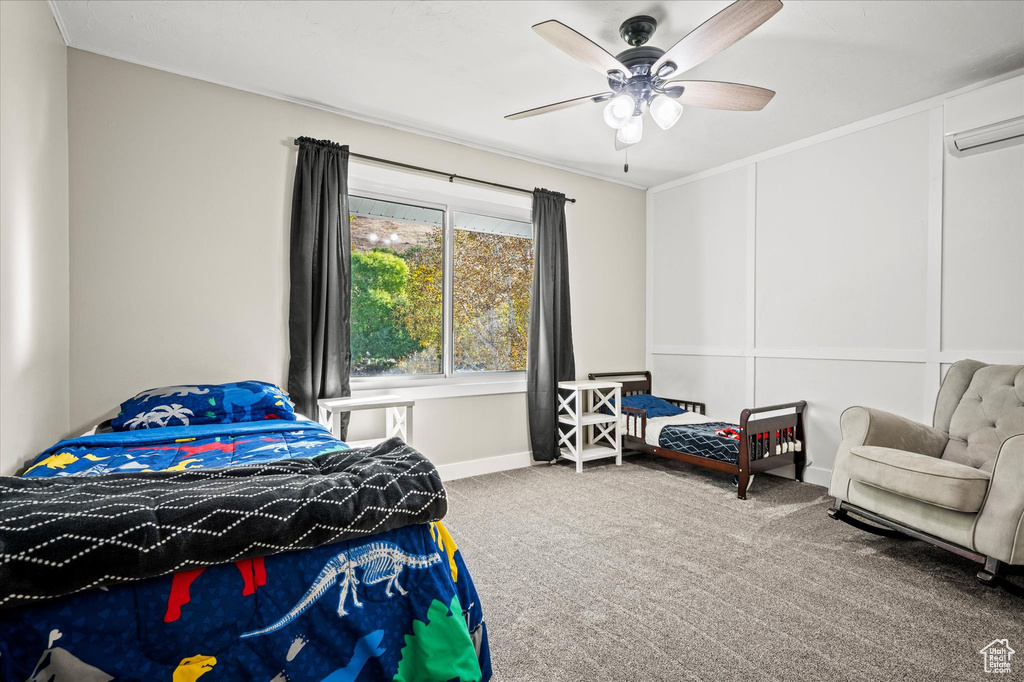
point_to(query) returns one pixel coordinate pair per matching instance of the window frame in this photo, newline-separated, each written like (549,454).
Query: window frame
(493,381)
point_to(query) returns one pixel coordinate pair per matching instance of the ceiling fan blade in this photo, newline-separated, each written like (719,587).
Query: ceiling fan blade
(728,96)
(717,33)
(556,106)
(579,47)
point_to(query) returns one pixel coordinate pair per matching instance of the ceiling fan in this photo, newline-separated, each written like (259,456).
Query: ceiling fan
(640,77)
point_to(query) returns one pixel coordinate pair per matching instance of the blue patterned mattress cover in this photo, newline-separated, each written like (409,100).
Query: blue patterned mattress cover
(700,440)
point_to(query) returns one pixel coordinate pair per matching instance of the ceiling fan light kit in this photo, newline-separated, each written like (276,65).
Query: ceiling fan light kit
(638,76)
(633,131)
(665,111)
(618,111)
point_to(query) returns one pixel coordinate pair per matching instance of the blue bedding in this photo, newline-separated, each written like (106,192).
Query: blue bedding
(241,401)
(398,605)
(700,440)
(175,448)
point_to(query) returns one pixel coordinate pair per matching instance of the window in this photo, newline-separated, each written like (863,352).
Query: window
(492,274)
(437,291)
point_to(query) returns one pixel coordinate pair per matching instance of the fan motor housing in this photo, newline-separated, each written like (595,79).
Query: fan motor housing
(639,59)
(640,56)
(638,30)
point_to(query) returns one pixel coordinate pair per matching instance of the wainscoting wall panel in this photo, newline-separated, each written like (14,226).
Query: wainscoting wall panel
(872,260)
(699,271)
(718,382)
(983,206)
(841,226)
(831,386)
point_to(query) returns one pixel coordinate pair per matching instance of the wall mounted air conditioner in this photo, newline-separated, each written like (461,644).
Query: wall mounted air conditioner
(986,138)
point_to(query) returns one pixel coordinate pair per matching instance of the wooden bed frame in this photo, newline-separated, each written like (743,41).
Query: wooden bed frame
(775,432)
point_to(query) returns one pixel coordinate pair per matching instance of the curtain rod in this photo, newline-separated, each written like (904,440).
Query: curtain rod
(451,176)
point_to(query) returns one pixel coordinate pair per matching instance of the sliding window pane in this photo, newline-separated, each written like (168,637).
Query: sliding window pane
(397,285)
(492,273)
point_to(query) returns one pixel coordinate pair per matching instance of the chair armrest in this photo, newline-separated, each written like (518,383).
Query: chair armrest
(867,426)
(635,416)
(999,532)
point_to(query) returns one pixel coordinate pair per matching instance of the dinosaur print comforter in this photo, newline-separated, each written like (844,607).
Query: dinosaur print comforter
(394,605)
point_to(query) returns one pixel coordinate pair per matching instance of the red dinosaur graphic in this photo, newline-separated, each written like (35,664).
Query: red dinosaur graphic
(254,576)
(193,450)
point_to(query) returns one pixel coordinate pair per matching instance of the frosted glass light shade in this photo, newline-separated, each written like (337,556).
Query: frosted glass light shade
(632,131)
(618,111)
(665,111)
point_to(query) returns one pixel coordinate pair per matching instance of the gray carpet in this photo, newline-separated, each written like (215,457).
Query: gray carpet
(655,571)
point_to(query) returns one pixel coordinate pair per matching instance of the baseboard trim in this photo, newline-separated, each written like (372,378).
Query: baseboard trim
(487,465)
(519,460)
(812,474)
(817,476)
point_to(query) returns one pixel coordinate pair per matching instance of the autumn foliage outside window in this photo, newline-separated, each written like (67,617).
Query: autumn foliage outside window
(398,306)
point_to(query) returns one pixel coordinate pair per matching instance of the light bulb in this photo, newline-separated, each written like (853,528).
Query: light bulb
(394,237)
(618,111)
(632,131)
(665,111)
(373,237)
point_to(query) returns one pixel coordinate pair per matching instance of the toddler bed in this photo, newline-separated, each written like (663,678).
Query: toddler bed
(678,429)
(214,533)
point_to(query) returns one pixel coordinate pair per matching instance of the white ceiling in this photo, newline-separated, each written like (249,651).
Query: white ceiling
(454,69)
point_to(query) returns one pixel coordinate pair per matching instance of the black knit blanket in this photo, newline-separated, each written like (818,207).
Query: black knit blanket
(63,535)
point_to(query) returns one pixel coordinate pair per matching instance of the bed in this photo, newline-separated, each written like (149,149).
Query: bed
(765,438)
(257,549)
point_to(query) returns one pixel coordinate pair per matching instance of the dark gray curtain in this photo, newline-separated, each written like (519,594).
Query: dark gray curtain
(550,356)
(321,277)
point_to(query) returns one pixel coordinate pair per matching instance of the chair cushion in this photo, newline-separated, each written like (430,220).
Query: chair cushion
(928,479)
(990,411)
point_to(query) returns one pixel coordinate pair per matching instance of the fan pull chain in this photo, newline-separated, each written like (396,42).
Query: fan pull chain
(625,166)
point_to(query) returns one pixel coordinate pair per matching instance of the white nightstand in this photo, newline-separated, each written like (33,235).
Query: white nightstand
(593,433)
(397,409)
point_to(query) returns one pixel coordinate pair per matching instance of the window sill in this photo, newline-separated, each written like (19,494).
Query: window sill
(427,389)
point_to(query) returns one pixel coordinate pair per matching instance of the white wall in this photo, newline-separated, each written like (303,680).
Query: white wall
(33,233)
(180,201)
(848,268)
(983,207)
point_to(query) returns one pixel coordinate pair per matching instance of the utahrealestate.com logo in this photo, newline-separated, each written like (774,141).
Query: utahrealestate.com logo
(997,656)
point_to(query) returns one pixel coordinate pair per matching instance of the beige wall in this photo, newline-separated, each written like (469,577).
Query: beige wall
(180,194)
(33,233)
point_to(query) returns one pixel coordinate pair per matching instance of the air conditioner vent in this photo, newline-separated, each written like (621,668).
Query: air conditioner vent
(986,138)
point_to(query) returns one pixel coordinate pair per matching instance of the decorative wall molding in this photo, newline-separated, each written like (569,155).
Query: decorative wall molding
(750,340)
(855,127)
(649,278)
(60,22)
(933,268)
(933,355)
(945,357)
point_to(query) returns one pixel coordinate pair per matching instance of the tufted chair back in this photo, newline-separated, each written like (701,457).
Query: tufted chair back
(980,406)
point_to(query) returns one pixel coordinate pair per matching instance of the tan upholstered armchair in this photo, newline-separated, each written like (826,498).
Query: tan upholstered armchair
(958,484)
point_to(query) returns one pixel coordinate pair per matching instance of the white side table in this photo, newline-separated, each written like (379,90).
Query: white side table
(593,434)
(398,412)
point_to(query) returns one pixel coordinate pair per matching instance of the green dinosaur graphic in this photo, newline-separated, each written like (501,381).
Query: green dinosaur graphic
(440,649)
